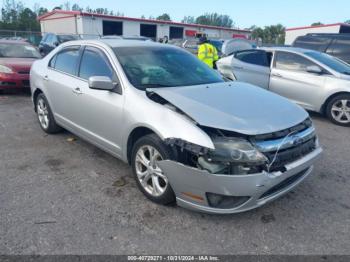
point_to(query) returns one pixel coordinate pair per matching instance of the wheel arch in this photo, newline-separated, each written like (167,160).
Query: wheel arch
(324,105)
(134,135)
(35,96)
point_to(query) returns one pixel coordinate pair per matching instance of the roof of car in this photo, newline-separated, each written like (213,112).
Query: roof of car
(287,48)
(117,43)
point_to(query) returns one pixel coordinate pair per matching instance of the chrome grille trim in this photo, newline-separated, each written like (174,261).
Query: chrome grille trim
(286,142)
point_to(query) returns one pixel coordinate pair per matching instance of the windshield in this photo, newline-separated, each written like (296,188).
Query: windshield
(12,50)
(66,38)
(159,66)
(331,62)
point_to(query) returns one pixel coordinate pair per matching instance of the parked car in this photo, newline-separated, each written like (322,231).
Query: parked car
(190,137)
(16,58)
(337,45)
(50,41)
(316,81)
(135,37)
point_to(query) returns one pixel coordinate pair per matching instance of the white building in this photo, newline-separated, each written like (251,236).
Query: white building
(293,33)
(76,22)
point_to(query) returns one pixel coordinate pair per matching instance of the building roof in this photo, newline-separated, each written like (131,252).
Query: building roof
(316,26)
(76,13)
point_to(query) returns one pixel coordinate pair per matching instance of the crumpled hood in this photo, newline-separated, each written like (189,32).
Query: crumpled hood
(234,106)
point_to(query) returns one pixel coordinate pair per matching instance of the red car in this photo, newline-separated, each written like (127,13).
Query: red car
(16,58)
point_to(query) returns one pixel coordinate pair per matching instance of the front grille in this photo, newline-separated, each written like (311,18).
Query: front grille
(25,83)
(23,72)
(290,155)
(284,184)
(283,133)
(7,83)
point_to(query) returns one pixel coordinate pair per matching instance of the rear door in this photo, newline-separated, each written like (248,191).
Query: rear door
(252,66)
(289,78)
(60,80)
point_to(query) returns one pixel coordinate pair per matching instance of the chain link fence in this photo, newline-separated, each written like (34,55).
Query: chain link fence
(30,36)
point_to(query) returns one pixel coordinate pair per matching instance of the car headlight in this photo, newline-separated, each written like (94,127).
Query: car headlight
(235,150)
(5,69)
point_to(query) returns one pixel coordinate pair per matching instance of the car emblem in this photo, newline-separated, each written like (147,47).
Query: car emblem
(297,140)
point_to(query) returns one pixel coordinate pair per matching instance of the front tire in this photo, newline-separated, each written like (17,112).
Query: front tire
(45,116)
(150,179)
(338,110)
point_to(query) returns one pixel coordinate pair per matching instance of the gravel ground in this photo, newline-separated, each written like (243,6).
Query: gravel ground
(60,197)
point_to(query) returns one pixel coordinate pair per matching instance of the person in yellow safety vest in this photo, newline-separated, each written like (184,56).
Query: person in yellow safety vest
(207,53)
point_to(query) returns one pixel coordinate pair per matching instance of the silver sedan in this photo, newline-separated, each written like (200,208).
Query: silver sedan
(316,81)
(189,136)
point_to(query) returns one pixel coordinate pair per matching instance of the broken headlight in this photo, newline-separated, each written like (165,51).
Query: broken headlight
(235,150)
(232,156)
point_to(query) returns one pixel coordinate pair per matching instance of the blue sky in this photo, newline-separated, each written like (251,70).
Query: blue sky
(290,13)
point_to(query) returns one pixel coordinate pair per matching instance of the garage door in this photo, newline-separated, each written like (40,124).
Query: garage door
(112,28)
(148,30)
(176,32)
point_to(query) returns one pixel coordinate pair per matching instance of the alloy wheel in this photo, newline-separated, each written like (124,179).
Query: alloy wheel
(341,111)
(148,172)
(43,113)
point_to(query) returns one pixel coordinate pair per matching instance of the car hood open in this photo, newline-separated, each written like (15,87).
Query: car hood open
(234,106)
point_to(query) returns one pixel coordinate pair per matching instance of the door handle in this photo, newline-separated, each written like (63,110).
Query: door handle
(46,78)
(77,91)
(238,67)
(277,75)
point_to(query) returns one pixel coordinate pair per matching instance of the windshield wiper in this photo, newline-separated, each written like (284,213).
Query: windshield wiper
(155,85)
(346,73)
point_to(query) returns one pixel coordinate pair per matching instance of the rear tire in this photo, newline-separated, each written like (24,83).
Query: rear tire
(150,179)
(338,110)
(45,115)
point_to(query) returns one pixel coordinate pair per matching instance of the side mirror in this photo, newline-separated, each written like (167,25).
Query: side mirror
(101,83)
(314,69)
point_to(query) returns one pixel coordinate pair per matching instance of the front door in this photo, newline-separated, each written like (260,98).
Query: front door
(100,115)
(291,79)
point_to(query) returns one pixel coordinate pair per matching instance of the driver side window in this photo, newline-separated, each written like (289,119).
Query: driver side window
(95,63)
(291,62)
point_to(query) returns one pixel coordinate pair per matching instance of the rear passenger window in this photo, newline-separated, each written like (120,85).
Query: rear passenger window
(253,57)
(95,63)
(290,61)
(66,60)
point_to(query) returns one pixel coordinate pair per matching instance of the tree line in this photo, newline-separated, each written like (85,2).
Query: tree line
(16,16)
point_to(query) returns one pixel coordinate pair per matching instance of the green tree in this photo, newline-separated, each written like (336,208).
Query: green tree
(76,7)
(101,10)
(257,32)
(189,20)
(165,17)
(347,21)
(27,20)
(215,19)
(273,34)
(42,11)
(316,24)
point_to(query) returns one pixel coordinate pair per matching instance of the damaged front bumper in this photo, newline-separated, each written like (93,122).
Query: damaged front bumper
(193,186)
